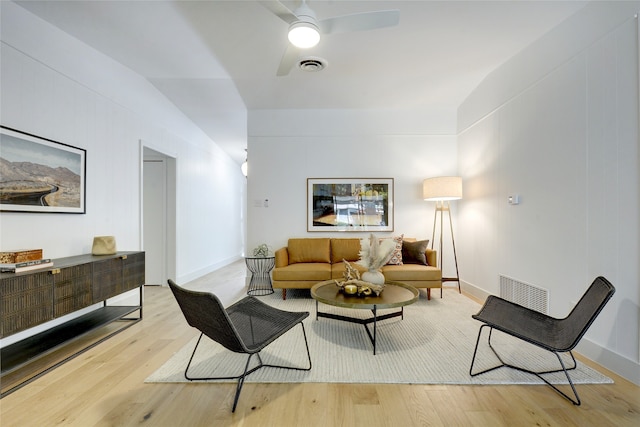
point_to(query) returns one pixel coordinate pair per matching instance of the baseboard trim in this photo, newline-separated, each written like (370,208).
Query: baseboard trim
(474,291)
(622,366)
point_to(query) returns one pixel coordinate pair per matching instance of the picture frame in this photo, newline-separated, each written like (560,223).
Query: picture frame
(41,175)
(349,204)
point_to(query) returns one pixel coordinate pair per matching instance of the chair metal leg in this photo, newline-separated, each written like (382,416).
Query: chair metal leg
(306,344)
(475,351)
(241,381)
(247,371)
(538,374)
(186,370)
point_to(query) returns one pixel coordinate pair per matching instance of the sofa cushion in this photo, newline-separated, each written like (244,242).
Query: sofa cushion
(414,252)
(348,249)
(309,250)
(410,272)
(303,271)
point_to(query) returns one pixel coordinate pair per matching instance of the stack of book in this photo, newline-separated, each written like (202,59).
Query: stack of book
(23,260)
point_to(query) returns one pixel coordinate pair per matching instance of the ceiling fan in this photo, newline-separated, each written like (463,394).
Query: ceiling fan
(305,29)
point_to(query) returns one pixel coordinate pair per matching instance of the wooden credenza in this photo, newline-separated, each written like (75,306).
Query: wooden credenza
(32,298)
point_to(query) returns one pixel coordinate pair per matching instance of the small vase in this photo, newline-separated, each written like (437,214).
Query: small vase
(373,276)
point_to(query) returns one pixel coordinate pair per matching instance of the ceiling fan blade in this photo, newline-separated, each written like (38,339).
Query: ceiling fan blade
(360,21)
(288,59)
(280,10)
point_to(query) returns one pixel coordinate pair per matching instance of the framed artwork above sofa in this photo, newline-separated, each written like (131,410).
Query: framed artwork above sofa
(350,204)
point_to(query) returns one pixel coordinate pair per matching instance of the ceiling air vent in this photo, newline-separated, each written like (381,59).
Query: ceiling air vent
(312,64)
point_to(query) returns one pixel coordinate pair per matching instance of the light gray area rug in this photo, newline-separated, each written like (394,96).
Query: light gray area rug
(433,344)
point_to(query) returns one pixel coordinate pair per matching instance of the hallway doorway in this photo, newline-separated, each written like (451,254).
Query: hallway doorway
(158,216)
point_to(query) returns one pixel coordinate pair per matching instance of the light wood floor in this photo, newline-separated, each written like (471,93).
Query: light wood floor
(105,387)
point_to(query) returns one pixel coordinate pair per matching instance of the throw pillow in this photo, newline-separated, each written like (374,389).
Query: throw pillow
(413,252)
(396,256)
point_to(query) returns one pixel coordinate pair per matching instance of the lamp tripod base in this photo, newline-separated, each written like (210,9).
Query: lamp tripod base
(442,207)
(451,279)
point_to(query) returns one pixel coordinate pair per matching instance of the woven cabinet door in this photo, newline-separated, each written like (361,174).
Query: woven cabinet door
(26,300)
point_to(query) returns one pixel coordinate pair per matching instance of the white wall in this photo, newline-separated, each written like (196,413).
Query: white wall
(54,86)
(287,147)
(558,124)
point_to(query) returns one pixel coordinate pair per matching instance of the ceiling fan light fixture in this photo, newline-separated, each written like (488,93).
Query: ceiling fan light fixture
(304,34)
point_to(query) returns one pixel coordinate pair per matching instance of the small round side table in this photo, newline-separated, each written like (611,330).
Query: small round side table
(260,267)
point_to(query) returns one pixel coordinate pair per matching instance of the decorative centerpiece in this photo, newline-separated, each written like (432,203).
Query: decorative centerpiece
(373,255)
(352,285)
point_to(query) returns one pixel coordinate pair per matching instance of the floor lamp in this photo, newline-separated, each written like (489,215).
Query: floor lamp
(441,190)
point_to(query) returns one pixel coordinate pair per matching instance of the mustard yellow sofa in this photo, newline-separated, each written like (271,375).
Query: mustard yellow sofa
(307,261)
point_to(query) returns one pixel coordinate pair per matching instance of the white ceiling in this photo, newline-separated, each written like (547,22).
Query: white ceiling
(217,59)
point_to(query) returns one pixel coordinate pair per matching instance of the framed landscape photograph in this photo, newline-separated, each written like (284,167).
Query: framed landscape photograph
(350,204)
(40,175)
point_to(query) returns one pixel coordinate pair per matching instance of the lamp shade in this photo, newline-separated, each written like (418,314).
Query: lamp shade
(442,188)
